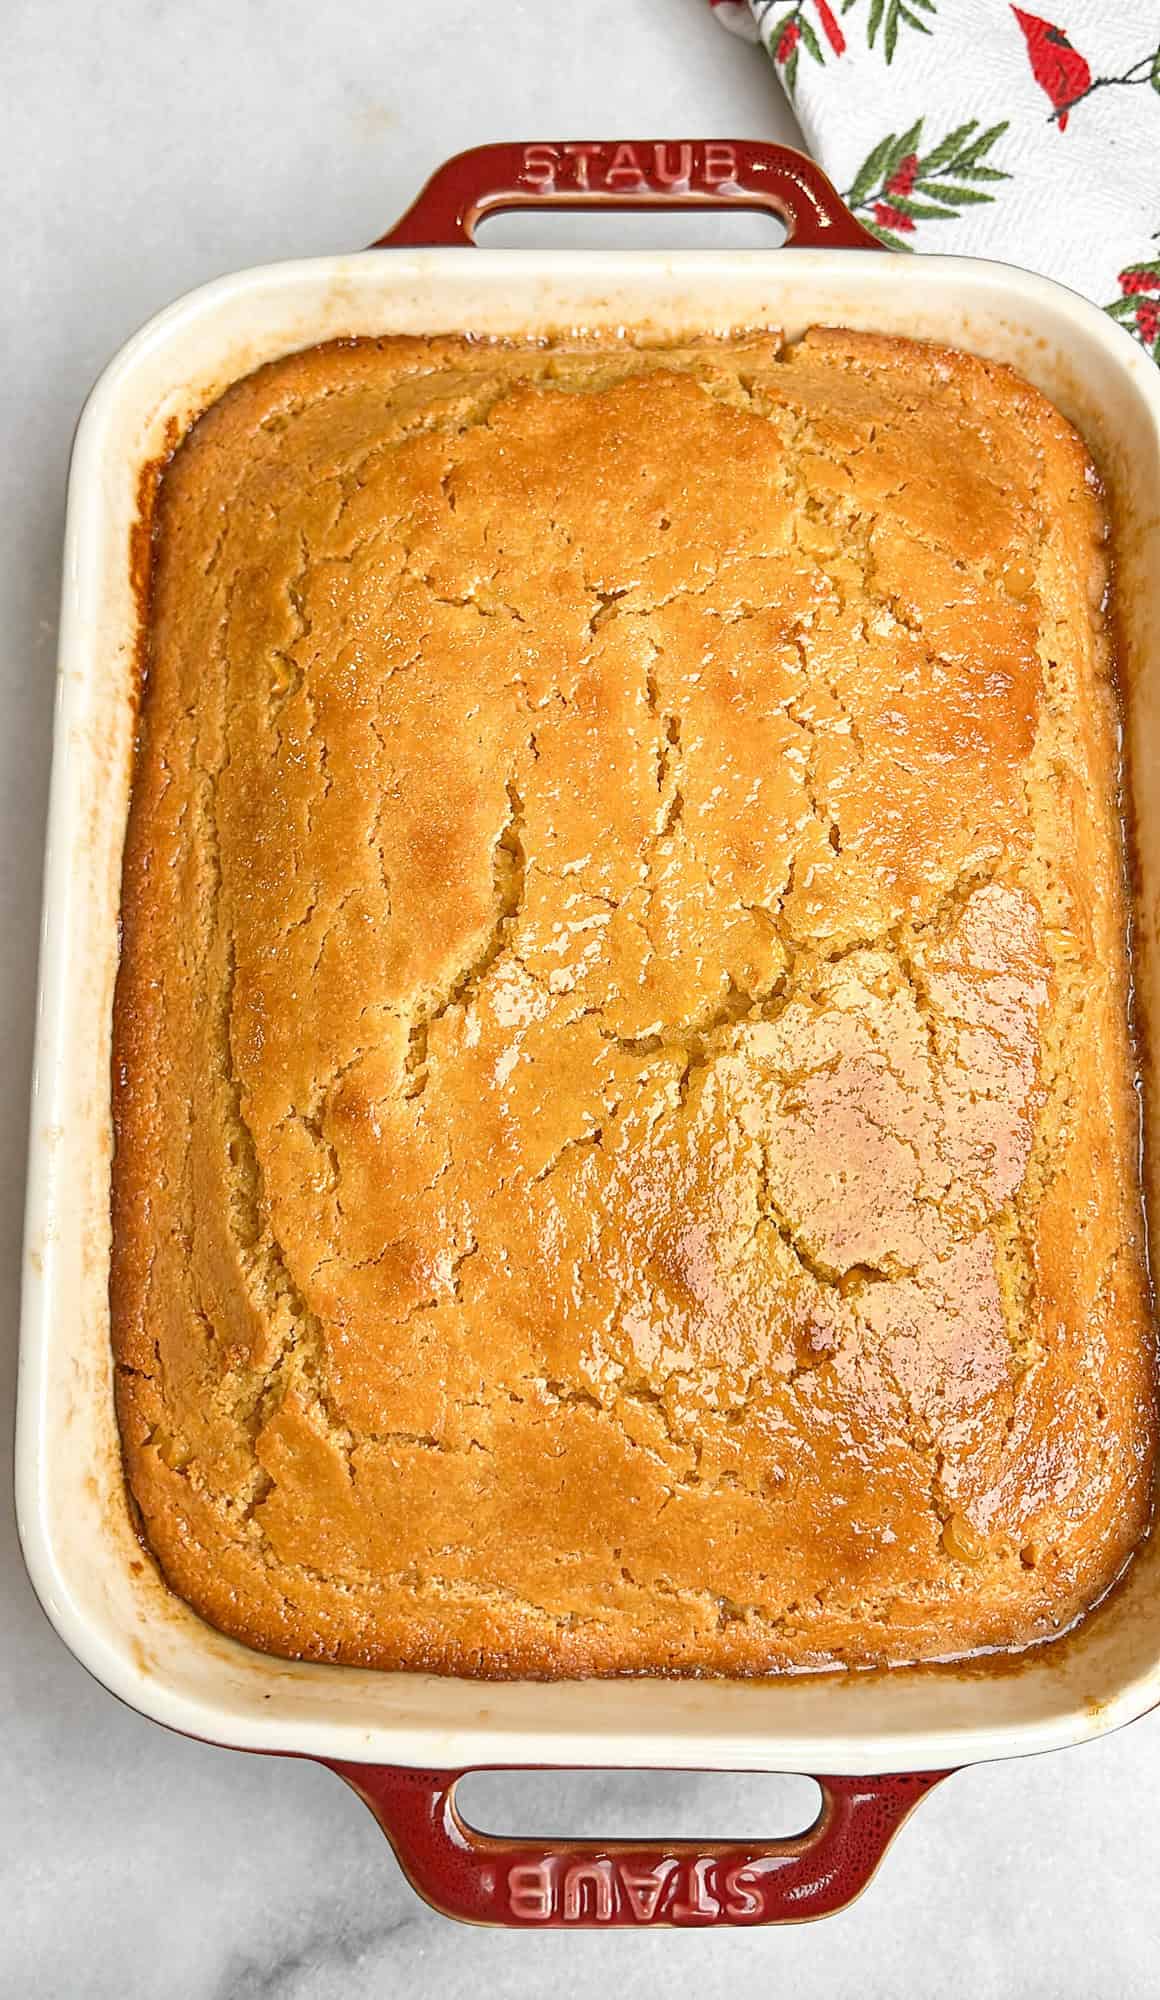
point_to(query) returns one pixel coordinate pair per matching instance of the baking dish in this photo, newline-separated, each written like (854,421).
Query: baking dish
(401,1739)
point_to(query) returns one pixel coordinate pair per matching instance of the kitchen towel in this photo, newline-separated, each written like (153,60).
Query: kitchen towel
(977,127)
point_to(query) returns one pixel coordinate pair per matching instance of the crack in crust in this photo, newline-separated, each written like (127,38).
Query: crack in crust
(508,867)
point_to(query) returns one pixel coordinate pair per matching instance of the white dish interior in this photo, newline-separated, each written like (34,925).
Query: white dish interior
(99,1590)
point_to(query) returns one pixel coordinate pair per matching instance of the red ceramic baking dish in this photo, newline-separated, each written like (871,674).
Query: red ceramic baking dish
(402,1739)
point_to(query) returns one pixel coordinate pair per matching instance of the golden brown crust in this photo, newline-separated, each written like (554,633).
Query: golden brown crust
(625,1147)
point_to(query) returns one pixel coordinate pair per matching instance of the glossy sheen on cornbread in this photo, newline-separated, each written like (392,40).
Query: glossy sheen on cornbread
(625,1150)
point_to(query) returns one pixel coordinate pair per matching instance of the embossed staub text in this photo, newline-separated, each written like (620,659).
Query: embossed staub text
(605,1888)
(625,167)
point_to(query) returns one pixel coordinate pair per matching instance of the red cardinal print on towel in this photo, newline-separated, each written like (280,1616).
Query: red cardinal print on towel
(1059,69)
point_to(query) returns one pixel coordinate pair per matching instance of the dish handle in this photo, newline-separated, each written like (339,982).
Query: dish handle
(485,1878)
(630,173)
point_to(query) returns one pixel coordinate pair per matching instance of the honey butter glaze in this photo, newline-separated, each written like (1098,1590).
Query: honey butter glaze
(625,1142)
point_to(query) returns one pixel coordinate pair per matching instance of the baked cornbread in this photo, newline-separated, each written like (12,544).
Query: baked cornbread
(625,1140)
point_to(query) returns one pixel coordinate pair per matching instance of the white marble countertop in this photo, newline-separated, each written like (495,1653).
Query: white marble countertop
(146,148)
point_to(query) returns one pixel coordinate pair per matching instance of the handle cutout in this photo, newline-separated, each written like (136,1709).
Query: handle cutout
(623,229)
(639,1805)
